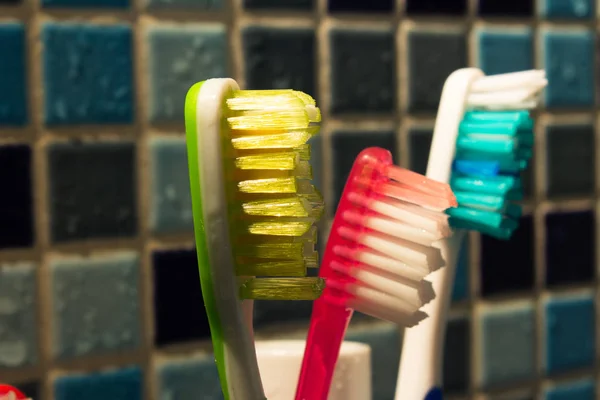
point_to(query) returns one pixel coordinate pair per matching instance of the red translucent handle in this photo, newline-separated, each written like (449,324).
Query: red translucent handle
(6,389)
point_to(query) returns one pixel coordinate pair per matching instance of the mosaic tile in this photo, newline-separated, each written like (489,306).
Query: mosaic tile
(359,6)
(570,160)
(504,50)
(81,206)
(316,161)
(209,5)
(508,265)
(436,7)
(176,287)
(86,3)
(171,209)
(568,9)
(384,340)
(447,51)
(279,58)
(9,2)
(16,203)
(126,383)
(31,389)
(460,291)
(13,80)
(95,305)
(517,395)
(363,71)
(179,56)
(299,5)
(88,73)
(508,334)
(419,143)
(570,244)
(456,369)
(569,64)
(190,379)
(346,145)
(578,390)
(505,8)
(18,325)
(570,332)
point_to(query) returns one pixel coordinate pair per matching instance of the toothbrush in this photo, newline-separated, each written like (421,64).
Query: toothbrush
(254,213)
(483,138)
(377,254)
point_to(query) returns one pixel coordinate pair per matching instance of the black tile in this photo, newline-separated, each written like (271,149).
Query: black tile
(436,7)
(363,77)
(92,190)
(345,148)
(30,389)
(9,2)
(16,201)
(506,8)
(570,239)
(279,58)
(570,160)
(508,265)
(432,57)
(456,368)
(360,6)
(269,311)
(419,143)
(301,5)
(528,179)
(179,314)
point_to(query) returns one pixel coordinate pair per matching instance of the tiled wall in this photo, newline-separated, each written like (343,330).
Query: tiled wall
(99,296)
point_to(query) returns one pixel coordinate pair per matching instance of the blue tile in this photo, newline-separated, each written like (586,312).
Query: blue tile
(122,384)
(209,5)
(384,340)
(13,69)
(508,344)
(171,205)
(579,390)
(457,355)
(506,50)
(16,204)
(81,204)
(88,73)
(569,62)
(86,3)
(190,379)
(568,9)
(570,332)
(180,56)
(95,305)
(460,291)
(18,326)
(367,58)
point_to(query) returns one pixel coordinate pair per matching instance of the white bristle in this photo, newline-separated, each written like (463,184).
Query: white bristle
(516,90)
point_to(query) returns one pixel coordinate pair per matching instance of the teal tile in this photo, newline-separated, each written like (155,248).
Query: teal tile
(121,384)
(569,63)
(95,304)
(579,390)
(190,379)
(384,340)
(508,344)
(180,56)
(171,204)
(568,9)
(504,50)
(18,326)
(13,74)
(570,332)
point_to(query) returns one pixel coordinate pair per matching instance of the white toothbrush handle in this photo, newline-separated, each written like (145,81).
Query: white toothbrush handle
(423,346)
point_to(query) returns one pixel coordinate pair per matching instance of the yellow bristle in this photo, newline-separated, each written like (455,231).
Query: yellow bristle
(273,204)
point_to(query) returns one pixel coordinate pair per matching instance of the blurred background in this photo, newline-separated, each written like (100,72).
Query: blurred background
(99,291)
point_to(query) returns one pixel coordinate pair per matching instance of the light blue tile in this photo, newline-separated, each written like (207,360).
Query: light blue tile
(180,56)
(88,73)
(460,290)
(384,340)
(122,384)
(508,341)
(171,202)
(506,50)
(568,9)
(570,332)
(18,327)
(569,63)
(189,380)
(13,81)
(95,304)
(580,390)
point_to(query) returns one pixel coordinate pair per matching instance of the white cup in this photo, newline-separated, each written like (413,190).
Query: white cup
(279,362)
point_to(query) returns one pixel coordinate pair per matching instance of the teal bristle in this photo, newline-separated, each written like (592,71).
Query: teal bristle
(486,203)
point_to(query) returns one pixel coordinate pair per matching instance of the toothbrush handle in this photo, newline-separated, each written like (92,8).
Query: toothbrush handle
(420,370)
(328,325)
